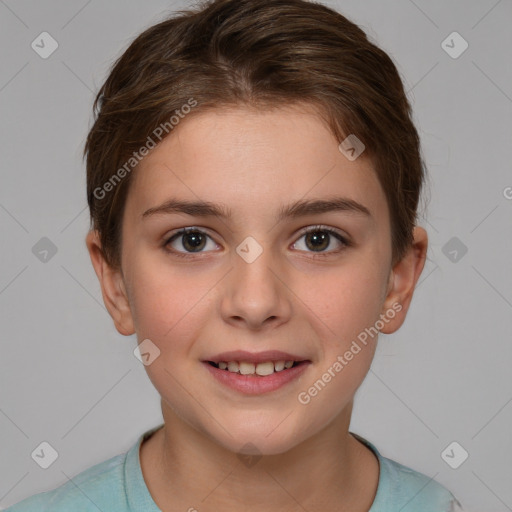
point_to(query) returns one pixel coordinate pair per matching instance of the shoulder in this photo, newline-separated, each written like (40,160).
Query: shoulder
(412,490)
(403,488)
(100,487)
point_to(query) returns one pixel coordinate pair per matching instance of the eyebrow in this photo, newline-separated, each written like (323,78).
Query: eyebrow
(297,209)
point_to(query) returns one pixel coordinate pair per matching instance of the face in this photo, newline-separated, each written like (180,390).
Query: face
(306,282)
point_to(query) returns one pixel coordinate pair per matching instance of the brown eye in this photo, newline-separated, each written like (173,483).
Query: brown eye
(192,240)
(318,239)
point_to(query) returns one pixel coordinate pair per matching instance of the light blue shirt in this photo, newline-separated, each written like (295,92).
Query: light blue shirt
(117,485)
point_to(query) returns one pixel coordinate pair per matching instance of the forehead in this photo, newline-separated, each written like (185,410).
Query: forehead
(249,160)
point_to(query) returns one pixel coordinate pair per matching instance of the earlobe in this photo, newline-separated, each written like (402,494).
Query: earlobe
(112,286)
(402,282)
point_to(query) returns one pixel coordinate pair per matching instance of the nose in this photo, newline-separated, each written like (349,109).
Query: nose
(256,293)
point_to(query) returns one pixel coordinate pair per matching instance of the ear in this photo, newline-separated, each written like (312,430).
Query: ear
(112,286)
(402,282)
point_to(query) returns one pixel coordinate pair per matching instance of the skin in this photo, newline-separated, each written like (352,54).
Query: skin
(289,299)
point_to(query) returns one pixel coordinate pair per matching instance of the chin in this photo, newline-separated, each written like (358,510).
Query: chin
(258,442)
(258,447)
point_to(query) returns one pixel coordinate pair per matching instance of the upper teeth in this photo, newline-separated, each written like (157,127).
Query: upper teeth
(266,368)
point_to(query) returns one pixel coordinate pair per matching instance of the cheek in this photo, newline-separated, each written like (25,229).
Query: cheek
(169,309)
(345,302)
(344,314)
(166,305)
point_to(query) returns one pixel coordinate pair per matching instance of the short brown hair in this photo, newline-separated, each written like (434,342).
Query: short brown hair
(262,53)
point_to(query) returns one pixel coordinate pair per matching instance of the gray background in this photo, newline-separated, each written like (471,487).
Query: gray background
(68,377)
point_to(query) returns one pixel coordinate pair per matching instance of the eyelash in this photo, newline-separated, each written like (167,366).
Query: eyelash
(303,232)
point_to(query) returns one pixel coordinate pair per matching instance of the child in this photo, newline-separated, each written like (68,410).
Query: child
(253,177)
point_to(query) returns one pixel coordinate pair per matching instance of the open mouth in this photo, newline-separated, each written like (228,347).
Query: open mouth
(257,369)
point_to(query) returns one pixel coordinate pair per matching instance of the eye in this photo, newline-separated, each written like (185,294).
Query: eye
(318,238)
(192,239)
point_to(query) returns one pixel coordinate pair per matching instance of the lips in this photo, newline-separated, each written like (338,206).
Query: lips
(256,379)
(254,373)
(254,357)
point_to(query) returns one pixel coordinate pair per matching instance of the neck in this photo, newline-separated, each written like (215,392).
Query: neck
(330,471)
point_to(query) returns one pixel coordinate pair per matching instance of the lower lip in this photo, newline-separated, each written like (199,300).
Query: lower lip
(255,384)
